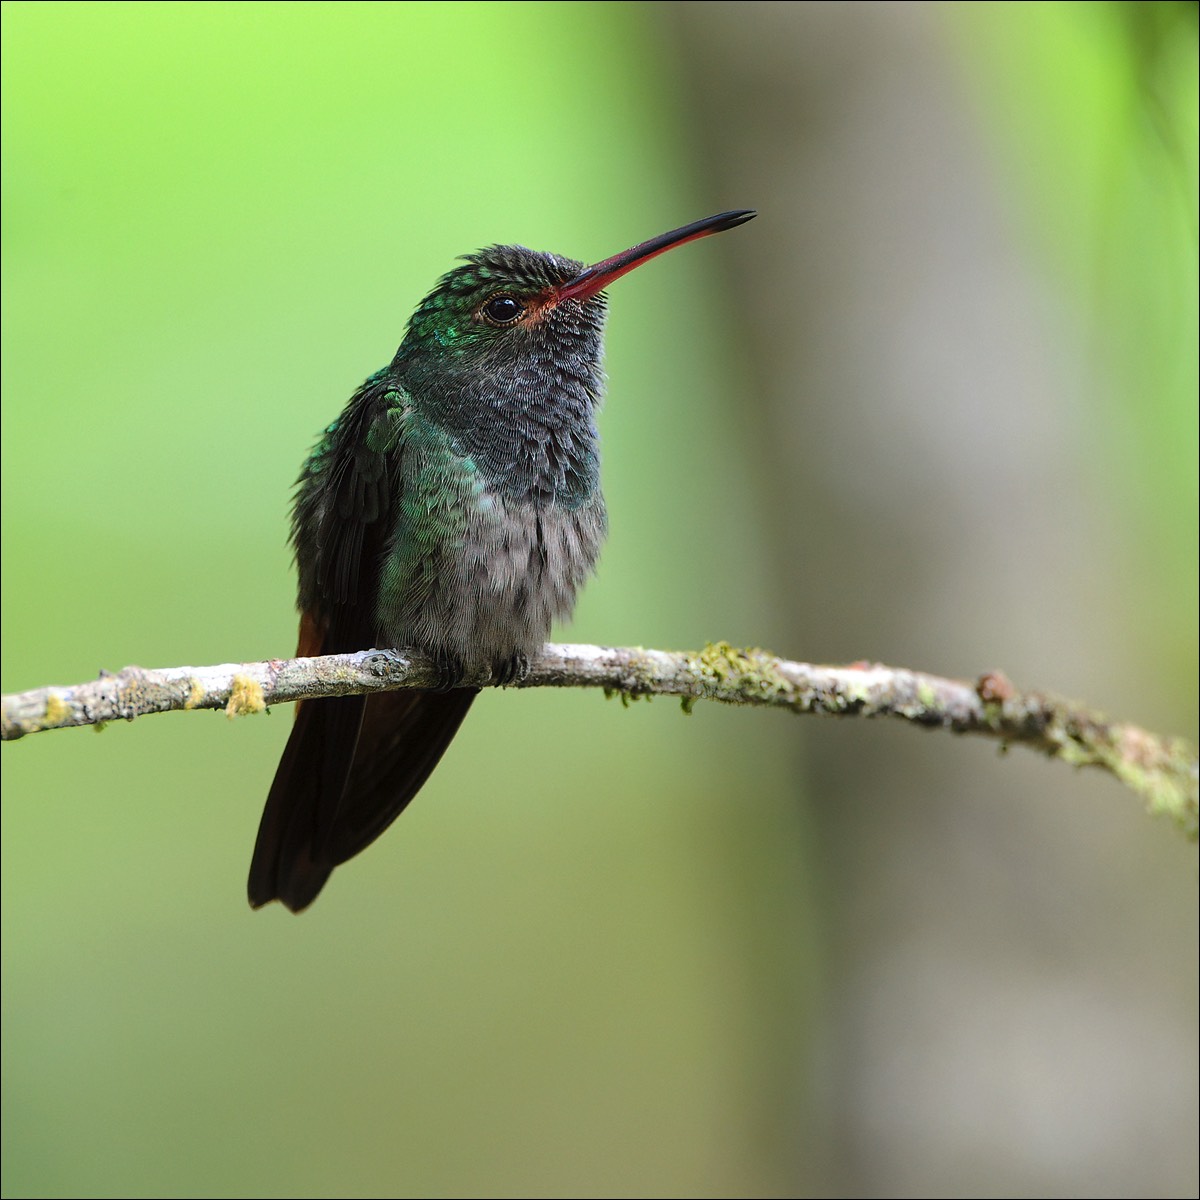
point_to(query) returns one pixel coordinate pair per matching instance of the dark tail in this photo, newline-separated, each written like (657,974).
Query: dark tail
(350,768)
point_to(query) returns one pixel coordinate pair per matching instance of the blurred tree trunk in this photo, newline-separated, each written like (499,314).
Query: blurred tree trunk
(1008,1015)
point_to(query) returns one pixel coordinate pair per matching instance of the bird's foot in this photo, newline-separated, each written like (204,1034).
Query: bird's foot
(448,669)
(512,669)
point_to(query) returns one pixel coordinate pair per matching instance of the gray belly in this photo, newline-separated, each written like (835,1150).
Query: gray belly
(494,589)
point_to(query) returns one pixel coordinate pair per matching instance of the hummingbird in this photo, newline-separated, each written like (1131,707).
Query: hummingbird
(454,508)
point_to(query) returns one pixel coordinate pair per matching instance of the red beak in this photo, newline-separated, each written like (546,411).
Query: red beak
(595,278)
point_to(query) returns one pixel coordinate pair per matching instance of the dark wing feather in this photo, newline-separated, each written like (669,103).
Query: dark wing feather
(352,764)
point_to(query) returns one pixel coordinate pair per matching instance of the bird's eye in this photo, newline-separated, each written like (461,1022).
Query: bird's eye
(502,309)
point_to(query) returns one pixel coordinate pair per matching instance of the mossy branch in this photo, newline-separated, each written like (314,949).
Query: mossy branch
(1163,771)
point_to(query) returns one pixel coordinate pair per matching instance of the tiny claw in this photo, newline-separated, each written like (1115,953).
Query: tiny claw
(448,669)
(510,670)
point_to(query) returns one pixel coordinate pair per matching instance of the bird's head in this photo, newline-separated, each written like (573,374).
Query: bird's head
(512,323)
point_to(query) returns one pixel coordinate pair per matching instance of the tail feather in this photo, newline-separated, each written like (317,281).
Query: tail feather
(404,735)
(350,768)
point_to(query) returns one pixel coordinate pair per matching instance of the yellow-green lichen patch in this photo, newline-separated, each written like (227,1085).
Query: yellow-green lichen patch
(195,693)
(245,696)
(57,711)
(639,679)
(1072,745)
(1164,774)
(730,673)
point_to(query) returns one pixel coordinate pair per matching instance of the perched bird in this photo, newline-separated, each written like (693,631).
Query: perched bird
(454,507)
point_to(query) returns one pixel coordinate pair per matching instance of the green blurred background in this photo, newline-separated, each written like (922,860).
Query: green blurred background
(936,406)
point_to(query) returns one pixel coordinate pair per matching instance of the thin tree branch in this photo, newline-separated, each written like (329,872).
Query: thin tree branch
(1162,770)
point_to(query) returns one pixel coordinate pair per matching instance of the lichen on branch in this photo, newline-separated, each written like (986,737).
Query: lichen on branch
(1163,771)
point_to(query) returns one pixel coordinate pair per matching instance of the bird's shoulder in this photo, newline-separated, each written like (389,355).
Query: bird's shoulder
(345,500)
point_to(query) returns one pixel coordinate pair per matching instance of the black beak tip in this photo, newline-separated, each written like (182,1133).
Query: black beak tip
(731,220)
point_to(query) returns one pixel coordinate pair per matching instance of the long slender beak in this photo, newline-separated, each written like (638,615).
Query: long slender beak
(595,278)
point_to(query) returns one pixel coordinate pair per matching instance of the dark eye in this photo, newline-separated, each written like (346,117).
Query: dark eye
(502,309)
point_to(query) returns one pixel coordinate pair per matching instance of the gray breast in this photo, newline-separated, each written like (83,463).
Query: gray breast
(495,590)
